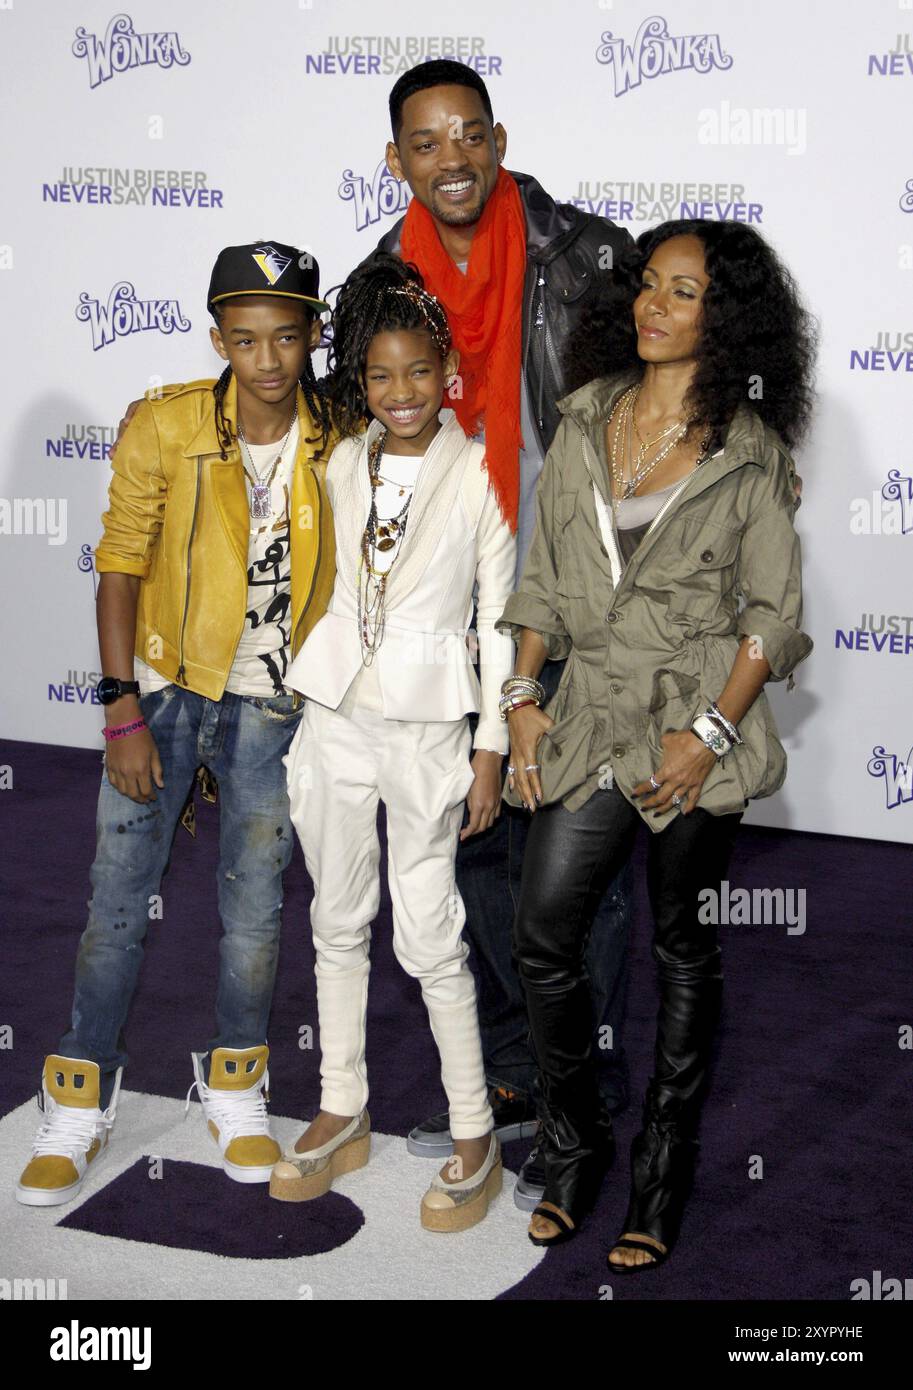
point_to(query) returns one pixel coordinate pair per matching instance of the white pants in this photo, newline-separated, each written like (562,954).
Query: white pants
(339,766)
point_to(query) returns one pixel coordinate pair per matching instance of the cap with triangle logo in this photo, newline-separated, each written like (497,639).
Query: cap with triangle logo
(266,267)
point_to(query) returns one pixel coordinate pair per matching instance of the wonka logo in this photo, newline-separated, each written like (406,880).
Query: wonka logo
(86,565)
(898,775)
(123,48)
(890,511)
(900,489)
(124,314)
(655,51)
(373,198)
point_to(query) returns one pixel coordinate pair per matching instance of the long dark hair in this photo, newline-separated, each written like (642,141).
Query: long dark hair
(757,342)
(382,295)
(314,393)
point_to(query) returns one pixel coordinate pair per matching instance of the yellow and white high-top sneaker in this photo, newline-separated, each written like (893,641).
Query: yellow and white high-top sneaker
(234,1103)
(73,1135)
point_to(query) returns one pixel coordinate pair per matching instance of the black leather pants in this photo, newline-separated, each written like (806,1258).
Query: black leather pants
(571,857)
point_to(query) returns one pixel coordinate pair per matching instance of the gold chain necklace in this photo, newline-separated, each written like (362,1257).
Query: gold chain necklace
(624,427)
(648,443)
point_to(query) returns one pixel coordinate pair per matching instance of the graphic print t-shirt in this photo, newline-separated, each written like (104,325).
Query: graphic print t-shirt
(262,658)
(262,655)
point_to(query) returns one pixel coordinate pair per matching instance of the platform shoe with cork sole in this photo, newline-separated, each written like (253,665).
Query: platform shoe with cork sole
(449,1207)
(300,1177)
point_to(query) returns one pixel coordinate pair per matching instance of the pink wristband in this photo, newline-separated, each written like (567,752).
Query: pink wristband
(122,730)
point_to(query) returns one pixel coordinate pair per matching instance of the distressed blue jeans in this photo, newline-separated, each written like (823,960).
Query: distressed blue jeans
(242,739)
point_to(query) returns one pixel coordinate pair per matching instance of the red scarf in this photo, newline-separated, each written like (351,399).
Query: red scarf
(484,308)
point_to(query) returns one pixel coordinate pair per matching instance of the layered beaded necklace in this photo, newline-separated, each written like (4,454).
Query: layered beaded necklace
(380,535)
(623,442)
(623,445)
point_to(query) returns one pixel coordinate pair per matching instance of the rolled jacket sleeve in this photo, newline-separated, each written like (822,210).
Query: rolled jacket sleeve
(770,575)
(535,604)
(136,499)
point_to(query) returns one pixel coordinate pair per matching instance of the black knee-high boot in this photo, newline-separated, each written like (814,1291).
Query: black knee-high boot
(571,857)
(578,1145)
(664,1153)
(690,855)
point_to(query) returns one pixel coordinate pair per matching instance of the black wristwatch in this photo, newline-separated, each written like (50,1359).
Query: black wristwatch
(109,689)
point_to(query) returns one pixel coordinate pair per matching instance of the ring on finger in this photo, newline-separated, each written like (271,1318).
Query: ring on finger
(677,800)
(654,784)
(531,767)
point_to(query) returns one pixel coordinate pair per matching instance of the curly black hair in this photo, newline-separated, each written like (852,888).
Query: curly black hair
(315,393)
(754,329)
(381,295)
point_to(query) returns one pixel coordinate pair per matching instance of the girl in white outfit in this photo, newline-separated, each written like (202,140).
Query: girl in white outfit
(389,679)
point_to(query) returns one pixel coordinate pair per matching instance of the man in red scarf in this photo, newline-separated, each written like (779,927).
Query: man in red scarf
(514,270)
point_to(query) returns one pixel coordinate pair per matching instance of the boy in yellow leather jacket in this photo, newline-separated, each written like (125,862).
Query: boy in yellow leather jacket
(216,561)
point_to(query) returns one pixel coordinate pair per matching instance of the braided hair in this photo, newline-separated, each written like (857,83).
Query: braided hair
(315,394)
(382,295)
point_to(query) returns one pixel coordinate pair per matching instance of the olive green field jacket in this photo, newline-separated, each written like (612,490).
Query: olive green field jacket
(650,644)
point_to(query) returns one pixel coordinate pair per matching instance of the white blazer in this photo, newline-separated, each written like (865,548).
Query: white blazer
(454,537)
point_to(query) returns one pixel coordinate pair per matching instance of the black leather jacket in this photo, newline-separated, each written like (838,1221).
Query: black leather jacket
(563,247)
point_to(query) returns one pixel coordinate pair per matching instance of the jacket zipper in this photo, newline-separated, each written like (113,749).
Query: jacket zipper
(538,279)
(529,320)
(613,553)
(541,281)
(553,357)
(607,532)
(181,673)
(668,503)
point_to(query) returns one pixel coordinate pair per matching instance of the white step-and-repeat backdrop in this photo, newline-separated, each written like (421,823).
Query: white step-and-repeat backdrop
(138,141)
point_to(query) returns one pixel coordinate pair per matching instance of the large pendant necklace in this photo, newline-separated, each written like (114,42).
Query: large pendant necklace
(260,505)
(383,535)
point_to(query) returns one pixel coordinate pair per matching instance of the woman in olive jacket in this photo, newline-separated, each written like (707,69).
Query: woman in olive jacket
(666,568)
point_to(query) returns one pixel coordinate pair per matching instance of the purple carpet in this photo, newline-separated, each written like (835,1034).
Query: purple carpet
(811,1086)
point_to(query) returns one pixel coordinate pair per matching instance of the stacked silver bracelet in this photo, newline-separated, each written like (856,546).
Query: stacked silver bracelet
(520,690)
(719,718)
(715,730)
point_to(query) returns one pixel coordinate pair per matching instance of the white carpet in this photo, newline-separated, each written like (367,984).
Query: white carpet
(390,1257)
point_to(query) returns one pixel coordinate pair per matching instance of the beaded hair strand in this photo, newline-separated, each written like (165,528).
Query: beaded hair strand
(383,295)
(315,394)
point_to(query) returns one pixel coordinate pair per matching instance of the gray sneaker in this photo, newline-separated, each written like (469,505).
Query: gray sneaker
(514,1115)
(530,1187)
